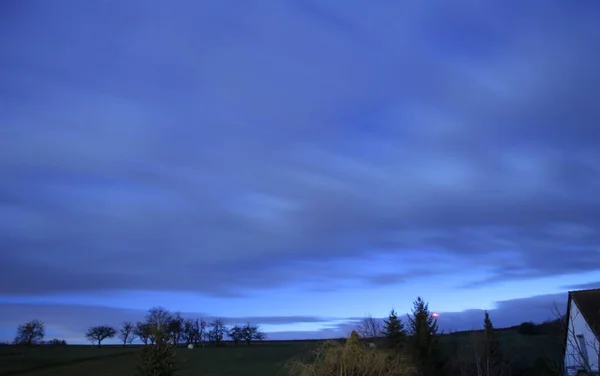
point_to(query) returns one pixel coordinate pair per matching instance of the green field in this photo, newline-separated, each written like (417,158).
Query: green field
(263,359)
(257,359)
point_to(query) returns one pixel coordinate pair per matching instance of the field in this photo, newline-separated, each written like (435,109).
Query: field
(520,350)
(265,359)
(258,359)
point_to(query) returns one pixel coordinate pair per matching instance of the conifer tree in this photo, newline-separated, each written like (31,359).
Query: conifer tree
(423,331)
(492,356)
(394,330)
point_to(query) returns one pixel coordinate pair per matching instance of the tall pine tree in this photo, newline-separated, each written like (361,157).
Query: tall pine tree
(492,363)
(394,330)
(423,330)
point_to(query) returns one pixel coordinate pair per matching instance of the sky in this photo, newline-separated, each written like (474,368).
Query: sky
(296,163)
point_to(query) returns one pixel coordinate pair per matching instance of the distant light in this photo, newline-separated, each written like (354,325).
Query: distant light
(435,315)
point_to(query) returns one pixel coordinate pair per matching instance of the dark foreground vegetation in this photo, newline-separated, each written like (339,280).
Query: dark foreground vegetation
(112,360)
(399,347)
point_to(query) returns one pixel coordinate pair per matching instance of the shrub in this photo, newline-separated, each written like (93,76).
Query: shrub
(350,359)
(57,342)
(158,359)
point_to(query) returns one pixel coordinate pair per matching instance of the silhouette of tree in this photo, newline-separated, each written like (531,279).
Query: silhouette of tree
(142,331)
(424,339)
(126,333)
(193,331)
(369,327)
(236,333)
(252,332)
(158,358)
(394,331)
(217,331)
(97,334)
(30,333)
(491,362)
(176,328)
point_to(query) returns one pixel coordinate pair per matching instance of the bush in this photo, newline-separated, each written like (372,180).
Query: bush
(158,359)
(546,366)
(350,359)
(528,329)
(57,342)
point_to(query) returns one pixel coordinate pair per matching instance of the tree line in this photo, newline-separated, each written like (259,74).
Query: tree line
(418,338)
(177,329)
(397,347)
(392,347)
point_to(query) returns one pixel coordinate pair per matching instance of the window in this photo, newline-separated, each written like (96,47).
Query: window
(583,350)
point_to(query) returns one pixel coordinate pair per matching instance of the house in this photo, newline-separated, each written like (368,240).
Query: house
(582,340)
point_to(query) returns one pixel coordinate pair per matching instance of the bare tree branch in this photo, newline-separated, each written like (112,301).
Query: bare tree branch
(576,347)
(369,327)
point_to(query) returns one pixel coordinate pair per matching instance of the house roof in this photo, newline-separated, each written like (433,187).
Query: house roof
(588,302)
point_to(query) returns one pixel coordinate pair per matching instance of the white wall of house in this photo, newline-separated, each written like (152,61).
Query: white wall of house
(572,353)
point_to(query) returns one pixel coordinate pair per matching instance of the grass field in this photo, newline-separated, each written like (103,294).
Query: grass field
(264,359)
(258,359)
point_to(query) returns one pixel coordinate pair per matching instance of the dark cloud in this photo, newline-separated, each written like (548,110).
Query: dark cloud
(150,156)
(506,313)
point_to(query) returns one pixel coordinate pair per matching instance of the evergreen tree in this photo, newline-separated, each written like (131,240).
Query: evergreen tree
(423,331)
(394,330)
(492,356)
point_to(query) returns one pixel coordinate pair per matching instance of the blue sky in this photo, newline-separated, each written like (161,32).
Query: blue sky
(295,163)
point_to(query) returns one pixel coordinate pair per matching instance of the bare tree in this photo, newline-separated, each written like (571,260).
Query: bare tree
(578,349)
(30,333)
(193,331)
(201,325)
(158,319)
(236,333)
(260,336)
(189,332)
(126,333)
(176,328)
(142,331)
(252,332)
(97,334)
(217,331)
(369,327)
